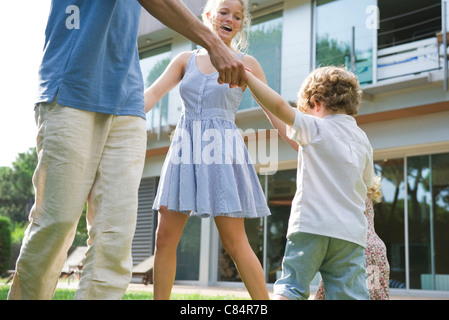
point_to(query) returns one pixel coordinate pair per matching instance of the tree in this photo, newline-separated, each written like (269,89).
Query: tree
(331,51)
(16,187)
(5,244)
(17,194)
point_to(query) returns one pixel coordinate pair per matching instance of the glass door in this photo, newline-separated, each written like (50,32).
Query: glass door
(413,218)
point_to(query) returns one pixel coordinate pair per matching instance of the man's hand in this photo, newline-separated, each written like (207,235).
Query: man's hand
(230,68)
(175,15)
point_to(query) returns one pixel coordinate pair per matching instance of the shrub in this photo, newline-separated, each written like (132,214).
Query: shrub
(5,244)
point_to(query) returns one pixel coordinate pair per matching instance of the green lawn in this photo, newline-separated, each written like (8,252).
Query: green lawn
(68,294)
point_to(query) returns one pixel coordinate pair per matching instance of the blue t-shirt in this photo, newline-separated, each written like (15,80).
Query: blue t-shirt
(90,58)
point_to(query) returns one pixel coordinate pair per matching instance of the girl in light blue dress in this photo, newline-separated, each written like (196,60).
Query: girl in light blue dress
(207,171)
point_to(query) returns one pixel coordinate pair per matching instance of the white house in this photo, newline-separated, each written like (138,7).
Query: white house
(397,49)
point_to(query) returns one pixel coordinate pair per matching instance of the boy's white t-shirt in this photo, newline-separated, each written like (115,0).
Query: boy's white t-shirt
(335,167)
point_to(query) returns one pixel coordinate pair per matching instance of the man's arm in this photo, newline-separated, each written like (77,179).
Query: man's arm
(175,15)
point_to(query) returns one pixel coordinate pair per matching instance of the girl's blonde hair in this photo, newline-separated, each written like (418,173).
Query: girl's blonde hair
(240,41)
(338,89)
(374,191)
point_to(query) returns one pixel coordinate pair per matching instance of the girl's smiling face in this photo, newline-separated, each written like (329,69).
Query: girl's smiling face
(228,20)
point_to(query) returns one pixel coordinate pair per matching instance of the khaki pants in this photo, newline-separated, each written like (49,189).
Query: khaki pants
(83,156)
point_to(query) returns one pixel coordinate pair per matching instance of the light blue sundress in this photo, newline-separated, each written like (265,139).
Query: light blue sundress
(208,171)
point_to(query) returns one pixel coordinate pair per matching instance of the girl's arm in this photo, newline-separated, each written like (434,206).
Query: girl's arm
(279,125)
(168,80)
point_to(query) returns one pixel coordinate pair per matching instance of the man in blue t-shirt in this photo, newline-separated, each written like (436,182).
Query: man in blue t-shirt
(92,139)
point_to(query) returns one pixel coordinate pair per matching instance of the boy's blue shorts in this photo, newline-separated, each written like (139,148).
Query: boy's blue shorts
(342,265)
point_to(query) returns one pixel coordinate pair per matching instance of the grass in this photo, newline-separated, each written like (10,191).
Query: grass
(69,294)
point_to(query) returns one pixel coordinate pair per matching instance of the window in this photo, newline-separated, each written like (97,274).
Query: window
(281,190)
(402,34)
(153,64)
(188,253)
(265,44)
(342,37)
(428,221)
(415,207)
(407,42)
(389,217)
(403,21)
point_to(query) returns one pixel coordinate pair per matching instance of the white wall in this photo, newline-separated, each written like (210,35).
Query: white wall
(414,135)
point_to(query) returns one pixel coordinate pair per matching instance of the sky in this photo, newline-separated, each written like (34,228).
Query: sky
(22,27)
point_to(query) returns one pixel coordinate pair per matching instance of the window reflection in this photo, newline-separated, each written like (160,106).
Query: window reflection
(265,43)
(153,64)
(337,29)
(440,220)
(281,190)
(428,187)
(389,217)
(188,252)
(427,222)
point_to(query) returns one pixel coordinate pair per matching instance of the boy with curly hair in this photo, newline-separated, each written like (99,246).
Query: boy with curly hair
(327,228)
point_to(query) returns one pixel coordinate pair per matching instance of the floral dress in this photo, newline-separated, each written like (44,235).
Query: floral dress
(377,267)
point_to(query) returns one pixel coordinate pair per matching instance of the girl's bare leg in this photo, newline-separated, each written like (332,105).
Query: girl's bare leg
(168,233)
(234,239)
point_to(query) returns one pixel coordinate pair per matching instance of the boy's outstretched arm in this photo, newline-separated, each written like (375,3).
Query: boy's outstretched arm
(271,100)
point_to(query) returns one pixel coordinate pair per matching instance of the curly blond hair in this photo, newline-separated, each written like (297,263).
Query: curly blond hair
(338,89)
(374,191)
(240,41)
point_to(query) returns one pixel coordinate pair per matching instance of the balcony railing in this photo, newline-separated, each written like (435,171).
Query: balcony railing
(410,58)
